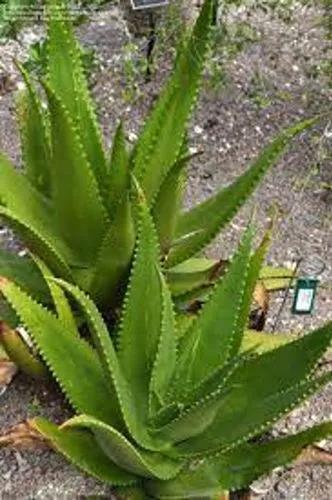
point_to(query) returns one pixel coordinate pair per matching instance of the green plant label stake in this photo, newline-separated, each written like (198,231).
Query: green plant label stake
(305,293)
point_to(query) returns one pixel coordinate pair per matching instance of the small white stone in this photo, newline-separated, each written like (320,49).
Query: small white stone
(132,137)
(198,130)
(258,129)
(20,86)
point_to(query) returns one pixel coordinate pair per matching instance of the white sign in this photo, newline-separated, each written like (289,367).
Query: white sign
(148,4)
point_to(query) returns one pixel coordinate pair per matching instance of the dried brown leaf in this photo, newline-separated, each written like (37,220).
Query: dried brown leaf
(23,436)
(314,455)
(261,297)
(8,370)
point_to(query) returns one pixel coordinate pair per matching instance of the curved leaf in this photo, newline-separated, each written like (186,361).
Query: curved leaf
(74,187)
(260,393)
(34,138)
(237,468)
(162,136)
(260,342)
(38,243)
(19,198)
(72,361)
(114,256)
(167,206)
(20,354)
(276,278)
(142,316)
(81,448)
(193,274)
(66,76)
(24,272)
(123,399)
(125,454)
(213,337)
(61,304)
(198,227)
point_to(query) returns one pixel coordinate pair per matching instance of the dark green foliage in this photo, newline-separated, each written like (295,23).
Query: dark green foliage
(72,205)
(174,412)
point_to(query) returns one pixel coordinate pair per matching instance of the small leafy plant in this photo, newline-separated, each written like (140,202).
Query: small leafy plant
(178,412)
(71,204)
(13,15)
(36,62)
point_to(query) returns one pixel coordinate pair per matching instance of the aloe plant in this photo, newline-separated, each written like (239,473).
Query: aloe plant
(71,204)
(177,412)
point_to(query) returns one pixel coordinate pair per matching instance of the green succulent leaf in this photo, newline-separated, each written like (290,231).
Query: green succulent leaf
(216,334)
(200,225)
(276,278)
(142,314)
(192,280)
(166,357)
(34,138)
(167,206)
(254,270)
(66,76)
(17,194)
(20,354)
(24,207)
(24,272)
(260,342)
(81,448)
(162,136)
(7,314)
(72,361)
(193,274)
(213,382)
(114,256)
(82,230)
(196,408)
(37,242)
(62,306)
(259,393)
(237,468)
(118,175)
(125,454)
(125,405)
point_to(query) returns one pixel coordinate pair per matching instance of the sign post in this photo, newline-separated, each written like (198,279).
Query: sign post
(144,5)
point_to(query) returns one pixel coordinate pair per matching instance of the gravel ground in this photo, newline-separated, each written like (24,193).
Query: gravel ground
(270,86)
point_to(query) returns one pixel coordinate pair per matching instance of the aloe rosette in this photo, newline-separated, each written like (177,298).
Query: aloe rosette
(71,203)
(174,411)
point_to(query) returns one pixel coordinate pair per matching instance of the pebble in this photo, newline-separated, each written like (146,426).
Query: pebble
(198,130)
(132,137)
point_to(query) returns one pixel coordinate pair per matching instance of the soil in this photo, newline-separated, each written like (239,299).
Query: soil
(270,84)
